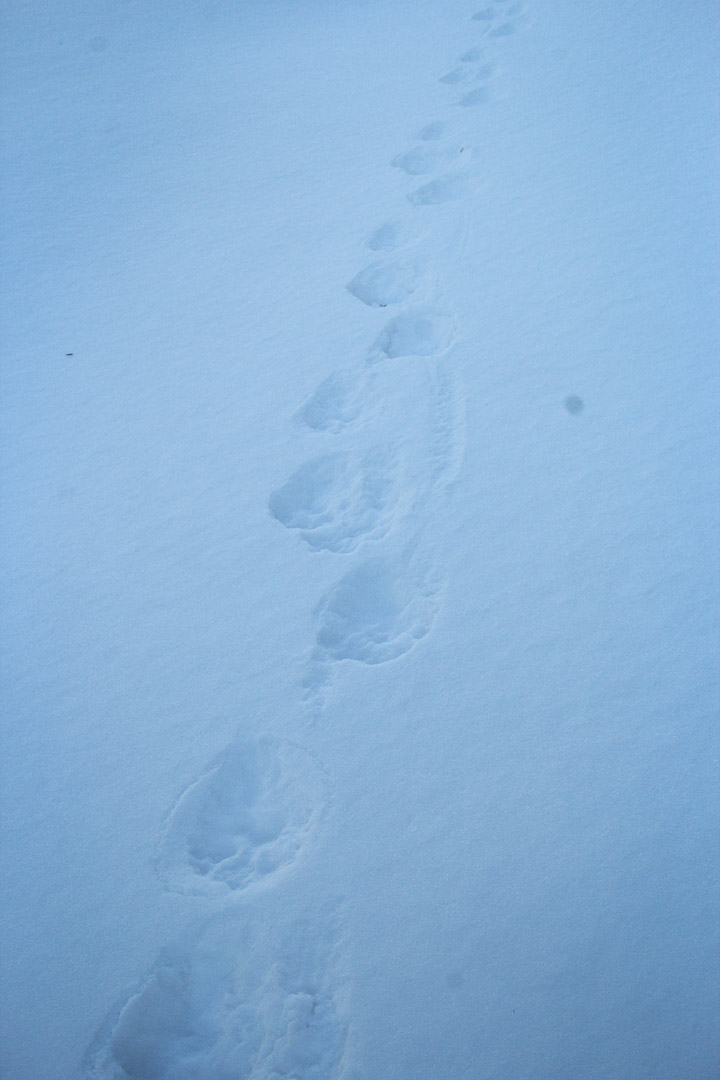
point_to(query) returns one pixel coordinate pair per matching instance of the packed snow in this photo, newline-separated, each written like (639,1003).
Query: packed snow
(360,443)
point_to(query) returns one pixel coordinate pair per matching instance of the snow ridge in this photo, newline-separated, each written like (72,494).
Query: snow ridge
(227,1000)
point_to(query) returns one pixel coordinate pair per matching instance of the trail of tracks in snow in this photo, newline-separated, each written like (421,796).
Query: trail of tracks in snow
(221,1002)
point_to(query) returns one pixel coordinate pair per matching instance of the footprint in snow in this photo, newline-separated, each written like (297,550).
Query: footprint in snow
(513,19)
(483,72)
(418,161)
(385,284)
(456,76)
(418,332)
(338,402)
(470,71)
(245,819)
(480,95)
(377,612)
(216,1007)
(506,28)
(308,1041)
(502,19)
(433,132)
(424,159)
(388,237)
(337,501)
(188,1020)
(476,69)
(447,188)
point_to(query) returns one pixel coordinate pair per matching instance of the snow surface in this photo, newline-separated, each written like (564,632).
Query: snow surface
(360,449)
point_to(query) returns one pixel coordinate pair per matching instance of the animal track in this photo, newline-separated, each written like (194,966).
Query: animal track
(418,161)
(505,29)
(247,817)
(377,612)
(471,71)
(336,502)
(458,75)
(214,1008)
(480,95)
(432,132)
(425,159)
(502,19)
(187,1021)
(419,332)
(337,402)
(309,1043)
(447,426)
(485,71)
(447,188)
(391,235)
(383,284)
(217,1006)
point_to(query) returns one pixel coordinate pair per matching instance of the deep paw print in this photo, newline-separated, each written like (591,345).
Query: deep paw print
(377,612)
(384,284)
(336,501)
(450,187)
(419,331)
(245,819)
(339,401)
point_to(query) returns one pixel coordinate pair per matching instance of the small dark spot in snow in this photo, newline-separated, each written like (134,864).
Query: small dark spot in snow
(68,354)
(574,404)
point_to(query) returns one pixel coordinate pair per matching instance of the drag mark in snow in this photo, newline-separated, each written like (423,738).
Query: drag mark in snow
(385,284)
(447,188)
(247,817)
(418,332)
(336,501)
(447,443)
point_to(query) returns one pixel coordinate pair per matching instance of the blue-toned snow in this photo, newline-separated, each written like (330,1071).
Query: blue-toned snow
(360,441)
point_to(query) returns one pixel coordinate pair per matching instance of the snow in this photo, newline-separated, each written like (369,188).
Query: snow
(360,452)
